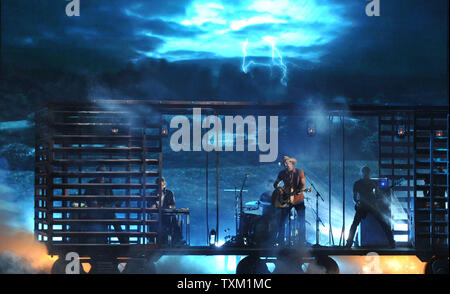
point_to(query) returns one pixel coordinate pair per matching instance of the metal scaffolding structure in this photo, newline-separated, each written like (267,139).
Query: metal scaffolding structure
(125,137)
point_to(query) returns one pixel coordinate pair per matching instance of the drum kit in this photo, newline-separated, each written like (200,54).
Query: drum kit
(258,226)
(258,222)
(255,222)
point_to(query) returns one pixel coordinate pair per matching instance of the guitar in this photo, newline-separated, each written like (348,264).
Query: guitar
(379,195)
(281,198)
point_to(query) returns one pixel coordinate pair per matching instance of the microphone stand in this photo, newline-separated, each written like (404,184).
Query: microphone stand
(237,210)
(317,213)
(241,211)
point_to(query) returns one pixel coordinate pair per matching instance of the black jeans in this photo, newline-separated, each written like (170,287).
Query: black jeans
(301,221)
(170,227)
(360,214)
(283,213)
(117,227)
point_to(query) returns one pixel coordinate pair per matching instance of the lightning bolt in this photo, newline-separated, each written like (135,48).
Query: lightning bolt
(244,50)
(280,63)
(277,59)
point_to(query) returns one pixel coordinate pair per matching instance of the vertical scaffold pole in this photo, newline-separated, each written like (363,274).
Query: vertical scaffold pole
(342,238)
(207,201)
(217,180)
(330,233)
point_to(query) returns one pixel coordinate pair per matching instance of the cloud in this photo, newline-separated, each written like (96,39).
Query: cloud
(154,8)
(168,28)
(187,54)
(409,40)
(111,26)
(145,43)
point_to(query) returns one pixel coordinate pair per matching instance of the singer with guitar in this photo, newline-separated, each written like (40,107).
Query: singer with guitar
(288,196)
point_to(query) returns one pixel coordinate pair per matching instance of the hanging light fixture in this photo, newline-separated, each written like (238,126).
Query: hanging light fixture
(212,237)
(164,132)
(439,133)
(310,128)
(164,128)
(401,131)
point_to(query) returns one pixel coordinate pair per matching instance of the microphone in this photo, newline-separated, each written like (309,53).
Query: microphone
(280,163)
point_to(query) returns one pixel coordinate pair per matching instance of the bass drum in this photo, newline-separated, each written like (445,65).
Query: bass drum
(248,223)
(262,231)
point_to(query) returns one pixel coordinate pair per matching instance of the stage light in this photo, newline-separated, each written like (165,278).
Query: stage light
(401,131)
(439,133)
(310,128)
(164,132)
(115,131)
(212,237)
(164,128)
(382,183)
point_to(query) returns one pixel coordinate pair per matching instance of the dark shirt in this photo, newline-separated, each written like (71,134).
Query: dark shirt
(291,179)
(99,192)
(366,189)
(167,199)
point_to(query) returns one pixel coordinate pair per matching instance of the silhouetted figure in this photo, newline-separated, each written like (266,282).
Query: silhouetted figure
(103,203)
(169,224)
(367,202)
(266,197)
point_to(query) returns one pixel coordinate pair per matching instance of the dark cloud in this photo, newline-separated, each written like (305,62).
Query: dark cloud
(401,55)
(188,54)
(145,43)
(158,8)
(168,28)
(39,34)
(409,39)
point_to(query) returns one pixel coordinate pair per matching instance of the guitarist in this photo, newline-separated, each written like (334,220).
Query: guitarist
(293,180)
(367,190)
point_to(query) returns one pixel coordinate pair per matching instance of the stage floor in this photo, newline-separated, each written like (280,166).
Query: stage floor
(134,250)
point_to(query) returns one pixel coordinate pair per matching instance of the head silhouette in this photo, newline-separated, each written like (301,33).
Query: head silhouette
(365,172)
(101,168)
(163,182)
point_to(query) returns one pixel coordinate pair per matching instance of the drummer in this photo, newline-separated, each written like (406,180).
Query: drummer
(265,197)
